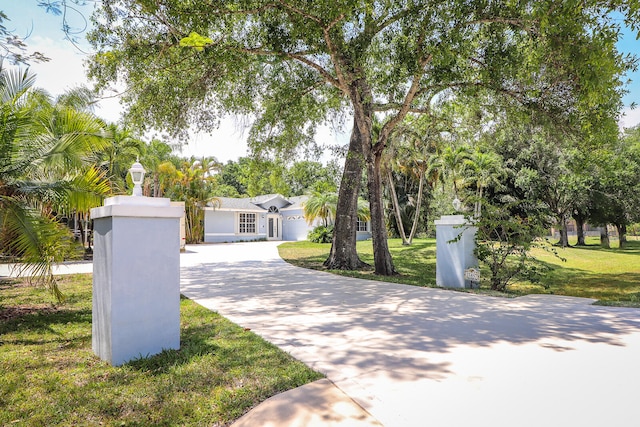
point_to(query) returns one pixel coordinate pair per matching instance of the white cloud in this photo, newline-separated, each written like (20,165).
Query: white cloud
(64,71)
(630,118)
(228,142)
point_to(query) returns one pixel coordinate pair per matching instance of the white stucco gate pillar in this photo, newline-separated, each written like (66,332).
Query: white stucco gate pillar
(136,278)
(454,258)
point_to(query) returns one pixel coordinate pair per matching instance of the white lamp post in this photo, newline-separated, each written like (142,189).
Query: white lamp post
(137,176)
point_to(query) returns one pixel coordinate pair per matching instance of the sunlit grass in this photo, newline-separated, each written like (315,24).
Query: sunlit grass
(416,264)
(50,375)
(611,276)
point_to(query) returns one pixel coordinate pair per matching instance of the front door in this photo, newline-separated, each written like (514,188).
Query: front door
(274,227)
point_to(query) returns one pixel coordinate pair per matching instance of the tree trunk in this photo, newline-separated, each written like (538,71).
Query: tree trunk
(604,237)
(478,206)
(396,208)
(564,238)
(343,255)
(580,229)
(416,215)
(156,185)
(83,236)
(381,255)
(622,235)
(85,241)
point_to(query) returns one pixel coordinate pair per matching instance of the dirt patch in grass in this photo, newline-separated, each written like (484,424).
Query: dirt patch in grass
(12,313)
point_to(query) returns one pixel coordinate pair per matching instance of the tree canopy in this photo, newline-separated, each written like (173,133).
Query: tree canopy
(294,65)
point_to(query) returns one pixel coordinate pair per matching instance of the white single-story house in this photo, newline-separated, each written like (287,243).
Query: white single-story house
(270,217)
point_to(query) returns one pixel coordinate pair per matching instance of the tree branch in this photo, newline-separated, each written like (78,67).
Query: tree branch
(516,22)
(297,56)
(301,12)
(331,48)
(405,106)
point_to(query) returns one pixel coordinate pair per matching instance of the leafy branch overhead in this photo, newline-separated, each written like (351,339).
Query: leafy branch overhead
(196,41)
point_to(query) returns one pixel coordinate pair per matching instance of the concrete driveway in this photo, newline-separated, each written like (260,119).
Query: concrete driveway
(428,357)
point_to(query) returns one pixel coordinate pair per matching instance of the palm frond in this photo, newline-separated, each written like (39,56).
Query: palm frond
(87,191)
(14,83)
(36,239)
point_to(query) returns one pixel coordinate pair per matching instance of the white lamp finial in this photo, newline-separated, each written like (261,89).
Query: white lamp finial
(137,176)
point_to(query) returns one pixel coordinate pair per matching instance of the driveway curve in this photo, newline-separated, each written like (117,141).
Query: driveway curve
(415,356)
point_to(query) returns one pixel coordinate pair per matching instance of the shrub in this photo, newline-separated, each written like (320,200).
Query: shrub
(504,241)
(321,234)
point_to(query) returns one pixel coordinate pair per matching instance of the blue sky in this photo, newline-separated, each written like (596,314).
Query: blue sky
(630,44)
(65,70)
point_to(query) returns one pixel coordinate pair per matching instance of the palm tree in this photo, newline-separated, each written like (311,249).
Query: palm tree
(321,205)
(192,185)
(119,155)
(46,151)
(485,169)
(156,153)
(452,164)
(412,153)
(324,205)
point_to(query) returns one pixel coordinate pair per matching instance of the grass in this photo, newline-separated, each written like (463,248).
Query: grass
(612,276)
(416,263)
(50,375)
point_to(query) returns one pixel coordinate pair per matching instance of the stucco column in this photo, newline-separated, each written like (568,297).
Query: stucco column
(454,257)
(136,278)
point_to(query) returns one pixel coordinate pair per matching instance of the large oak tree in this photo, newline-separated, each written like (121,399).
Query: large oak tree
(294,64)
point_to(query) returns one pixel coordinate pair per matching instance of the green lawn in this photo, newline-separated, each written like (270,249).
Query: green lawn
(610,275)
(50,375)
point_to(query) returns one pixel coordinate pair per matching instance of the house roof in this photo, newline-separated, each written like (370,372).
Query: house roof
(235,204)
(297,202)
(258,203)
(269,199)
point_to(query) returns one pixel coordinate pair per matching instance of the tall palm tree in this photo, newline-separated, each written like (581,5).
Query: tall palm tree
(46,151)
(485,169)
(412,153)
(324,205)
(452,164)
(321,205)
(195,188)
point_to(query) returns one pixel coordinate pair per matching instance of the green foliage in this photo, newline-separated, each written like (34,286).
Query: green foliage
(321,205)
(262,176)
(231,176)
(616,195)
(194,184)
(324,206)
(293,66)
(48,150)
(306,176)
(196,41)
(321,234)
(504,242)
